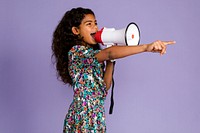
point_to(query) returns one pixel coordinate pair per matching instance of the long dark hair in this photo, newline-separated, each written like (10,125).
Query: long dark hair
(64,40)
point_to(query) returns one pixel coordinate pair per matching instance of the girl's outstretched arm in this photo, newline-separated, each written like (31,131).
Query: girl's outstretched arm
(116,52)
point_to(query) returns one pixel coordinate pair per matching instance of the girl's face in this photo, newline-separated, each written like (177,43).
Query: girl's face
(87,29)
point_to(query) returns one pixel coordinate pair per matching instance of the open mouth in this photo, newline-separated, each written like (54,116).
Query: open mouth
(93,35)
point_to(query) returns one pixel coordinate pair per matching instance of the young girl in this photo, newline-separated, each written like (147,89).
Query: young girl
(80,63)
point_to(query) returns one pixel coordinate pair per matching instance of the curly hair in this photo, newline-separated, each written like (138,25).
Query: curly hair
(64,40)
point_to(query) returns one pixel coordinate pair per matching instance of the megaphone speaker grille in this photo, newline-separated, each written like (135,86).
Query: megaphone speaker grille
(132,34)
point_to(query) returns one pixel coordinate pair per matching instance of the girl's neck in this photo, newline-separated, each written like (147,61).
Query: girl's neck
(86,45)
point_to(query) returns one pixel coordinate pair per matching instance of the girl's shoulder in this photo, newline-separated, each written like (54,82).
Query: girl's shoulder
(78,47)
(80,50)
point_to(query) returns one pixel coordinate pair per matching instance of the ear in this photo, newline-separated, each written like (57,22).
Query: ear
(75,30)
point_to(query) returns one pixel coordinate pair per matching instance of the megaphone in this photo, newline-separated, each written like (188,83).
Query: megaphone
(129,36)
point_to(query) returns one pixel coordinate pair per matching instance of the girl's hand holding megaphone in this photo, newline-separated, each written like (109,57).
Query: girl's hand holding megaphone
(158,46)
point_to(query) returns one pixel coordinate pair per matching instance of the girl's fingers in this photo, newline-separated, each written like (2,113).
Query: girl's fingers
(161,46)
(163,49)
(169,42)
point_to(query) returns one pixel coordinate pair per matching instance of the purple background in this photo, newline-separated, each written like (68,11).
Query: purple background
(153,94)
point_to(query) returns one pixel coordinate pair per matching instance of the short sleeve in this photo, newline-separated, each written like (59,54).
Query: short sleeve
(83,55)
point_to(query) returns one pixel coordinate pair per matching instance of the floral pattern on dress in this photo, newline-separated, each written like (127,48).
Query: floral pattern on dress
(86,113)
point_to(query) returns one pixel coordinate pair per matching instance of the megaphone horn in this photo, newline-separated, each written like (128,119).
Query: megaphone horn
(129,36)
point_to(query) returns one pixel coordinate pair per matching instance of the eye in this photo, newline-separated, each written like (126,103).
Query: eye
(89,24)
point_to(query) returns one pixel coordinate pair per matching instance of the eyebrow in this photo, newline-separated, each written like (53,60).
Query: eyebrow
(90,21)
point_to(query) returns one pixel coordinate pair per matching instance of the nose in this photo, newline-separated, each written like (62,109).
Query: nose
(96,27)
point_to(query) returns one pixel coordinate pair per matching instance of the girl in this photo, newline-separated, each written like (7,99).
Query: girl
(79,63)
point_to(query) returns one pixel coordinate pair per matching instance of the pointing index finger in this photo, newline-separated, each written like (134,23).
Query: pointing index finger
(169,42)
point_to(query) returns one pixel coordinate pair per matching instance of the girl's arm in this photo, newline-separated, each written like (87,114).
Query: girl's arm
(116,52)
(108,74)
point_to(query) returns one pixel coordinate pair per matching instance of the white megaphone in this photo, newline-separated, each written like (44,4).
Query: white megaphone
(129,36)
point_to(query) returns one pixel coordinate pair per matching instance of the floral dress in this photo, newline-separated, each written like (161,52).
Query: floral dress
(86,113)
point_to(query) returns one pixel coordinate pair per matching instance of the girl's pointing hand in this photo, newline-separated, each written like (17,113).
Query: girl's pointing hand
(159,46)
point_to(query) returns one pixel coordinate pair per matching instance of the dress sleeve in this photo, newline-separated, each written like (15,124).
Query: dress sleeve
(84,56)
